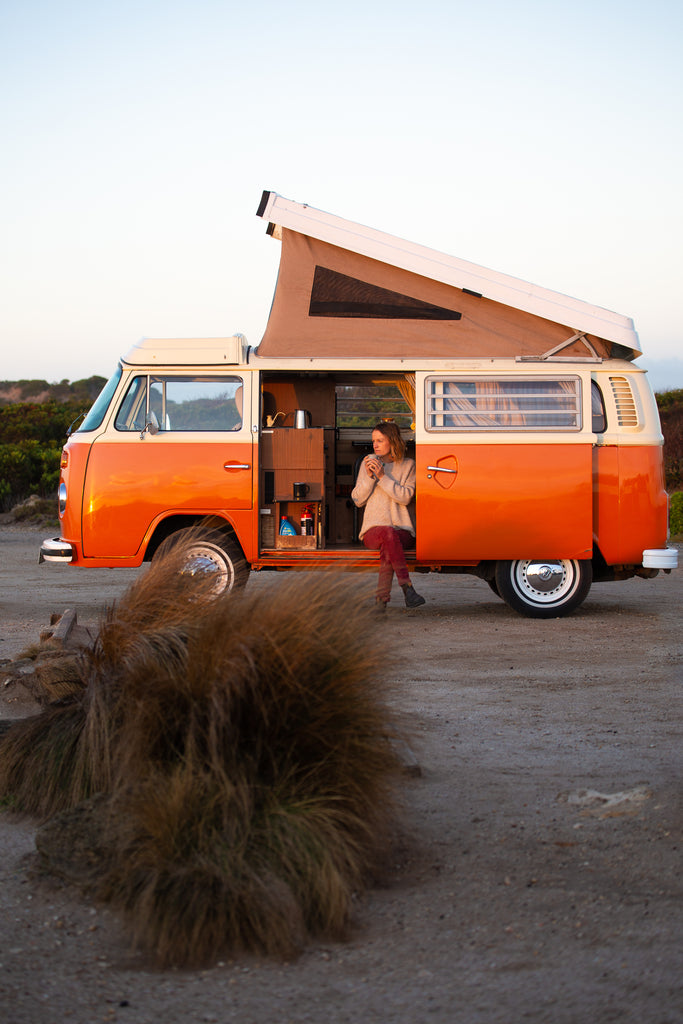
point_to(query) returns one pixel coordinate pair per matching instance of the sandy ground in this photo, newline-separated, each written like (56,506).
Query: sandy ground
(539,879)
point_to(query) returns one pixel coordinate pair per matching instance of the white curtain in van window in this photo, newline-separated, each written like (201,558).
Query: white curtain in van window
(505,404)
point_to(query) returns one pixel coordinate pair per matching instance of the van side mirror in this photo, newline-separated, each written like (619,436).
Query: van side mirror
(151,426)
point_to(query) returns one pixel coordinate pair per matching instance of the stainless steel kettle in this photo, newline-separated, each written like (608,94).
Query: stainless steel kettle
(302,419)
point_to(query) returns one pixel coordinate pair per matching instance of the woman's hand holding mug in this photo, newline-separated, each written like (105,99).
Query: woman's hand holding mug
(374,466)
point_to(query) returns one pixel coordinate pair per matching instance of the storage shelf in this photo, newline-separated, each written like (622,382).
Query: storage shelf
(308,500)
(272,539)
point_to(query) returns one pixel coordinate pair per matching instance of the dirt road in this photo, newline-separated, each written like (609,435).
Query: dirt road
(539,877)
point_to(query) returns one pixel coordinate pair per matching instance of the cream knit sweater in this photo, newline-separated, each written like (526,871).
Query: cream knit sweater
(389,501)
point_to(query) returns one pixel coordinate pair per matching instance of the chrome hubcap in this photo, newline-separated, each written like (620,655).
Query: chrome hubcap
(544,581)
(205,563)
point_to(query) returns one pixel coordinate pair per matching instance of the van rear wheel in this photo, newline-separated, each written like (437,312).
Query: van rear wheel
(544,588)
(220,558)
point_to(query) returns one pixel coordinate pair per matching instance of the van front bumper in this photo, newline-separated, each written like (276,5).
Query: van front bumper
(660,558)
(56,550)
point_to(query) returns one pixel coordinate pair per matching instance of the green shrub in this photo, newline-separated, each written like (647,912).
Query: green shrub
(669,399)
(671,415)
(676,513)
(32,435)
(5,495)
(46,422)
(26,468)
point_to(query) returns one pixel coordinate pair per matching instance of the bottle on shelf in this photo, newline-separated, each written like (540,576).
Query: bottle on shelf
(286,528)
(307,522)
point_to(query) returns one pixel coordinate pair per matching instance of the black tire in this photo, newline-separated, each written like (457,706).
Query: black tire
(494,587)
(544,589)
(218,555)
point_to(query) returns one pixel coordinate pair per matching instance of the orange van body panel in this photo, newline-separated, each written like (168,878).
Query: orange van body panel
(488,509)
(630,502)
(130,485)
(504,502)
(73,475)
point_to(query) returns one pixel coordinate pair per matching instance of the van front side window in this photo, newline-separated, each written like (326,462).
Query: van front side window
(183,403)
(503,404)
(94,418)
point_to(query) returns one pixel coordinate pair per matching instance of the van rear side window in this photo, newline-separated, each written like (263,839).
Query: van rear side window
(503,404)
(599,425)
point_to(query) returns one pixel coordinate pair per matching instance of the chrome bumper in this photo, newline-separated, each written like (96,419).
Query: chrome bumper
(55,550)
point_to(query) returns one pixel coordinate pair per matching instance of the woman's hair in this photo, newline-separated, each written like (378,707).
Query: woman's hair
(393,436)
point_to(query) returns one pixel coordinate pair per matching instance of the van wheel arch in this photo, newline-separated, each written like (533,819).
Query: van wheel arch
(174,524)
(212,549)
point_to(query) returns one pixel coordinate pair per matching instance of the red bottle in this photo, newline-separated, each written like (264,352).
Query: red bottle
(307,524)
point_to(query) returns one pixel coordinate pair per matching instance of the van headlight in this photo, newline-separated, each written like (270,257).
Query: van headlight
(62,498)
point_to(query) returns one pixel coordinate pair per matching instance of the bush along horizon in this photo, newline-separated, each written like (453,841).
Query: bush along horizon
(32,436)
(233,763)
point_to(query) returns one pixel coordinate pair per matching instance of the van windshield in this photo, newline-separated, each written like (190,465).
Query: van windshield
(94,418)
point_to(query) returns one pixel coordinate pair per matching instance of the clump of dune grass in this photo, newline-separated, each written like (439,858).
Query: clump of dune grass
(245,746)
(57,675)
(73,743)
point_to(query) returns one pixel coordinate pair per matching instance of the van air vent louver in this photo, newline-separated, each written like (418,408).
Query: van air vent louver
(627,413)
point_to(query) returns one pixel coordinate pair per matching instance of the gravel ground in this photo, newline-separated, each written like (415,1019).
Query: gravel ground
(538,877)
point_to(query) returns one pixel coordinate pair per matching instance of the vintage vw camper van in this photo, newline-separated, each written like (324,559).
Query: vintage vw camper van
(536,437)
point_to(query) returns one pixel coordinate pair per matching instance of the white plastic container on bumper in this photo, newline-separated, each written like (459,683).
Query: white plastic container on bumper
(660,558)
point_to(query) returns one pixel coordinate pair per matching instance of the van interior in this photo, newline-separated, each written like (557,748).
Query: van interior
(315,430)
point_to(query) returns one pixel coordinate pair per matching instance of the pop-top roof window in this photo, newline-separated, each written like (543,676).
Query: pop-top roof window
(338,295)
(527,405)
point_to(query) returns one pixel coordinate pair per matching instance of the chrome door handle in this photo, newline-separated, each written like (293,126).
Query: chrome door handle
(442,469)
(236,465)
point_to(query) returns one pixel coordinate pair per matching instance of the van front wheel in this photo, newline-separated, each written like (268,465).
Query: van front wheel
(220,559)
(544,588)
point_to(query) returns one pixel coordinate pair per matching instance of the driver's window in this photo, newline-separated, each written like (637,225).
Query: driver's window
(184,403)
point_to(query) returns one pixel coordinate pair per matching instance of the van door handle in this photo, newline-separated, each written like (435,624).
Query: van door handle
(442,469)
(236,465)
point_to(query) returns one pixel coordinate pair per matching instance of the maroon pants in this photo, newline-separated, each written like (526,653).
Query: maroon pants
(391,543)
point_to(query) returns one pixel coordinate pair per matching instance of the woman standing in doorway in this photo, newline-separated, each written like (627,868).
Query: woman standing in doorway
(386,490)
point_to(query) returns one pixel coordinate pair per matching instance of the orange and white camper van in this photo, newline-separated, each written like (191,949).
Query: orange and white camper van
(536,437)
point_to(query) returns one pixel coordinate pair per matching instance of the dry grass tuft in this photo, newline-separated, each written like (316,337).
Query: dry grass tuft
(245,745)
(40,767)
(58,675)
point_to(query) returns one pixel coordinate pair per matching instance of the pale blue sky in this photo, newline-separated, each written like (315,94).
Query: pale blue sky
(542,140)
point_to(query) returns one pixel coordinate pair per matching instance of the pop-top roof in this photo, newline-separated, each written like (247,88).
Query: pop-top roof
(348,290)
